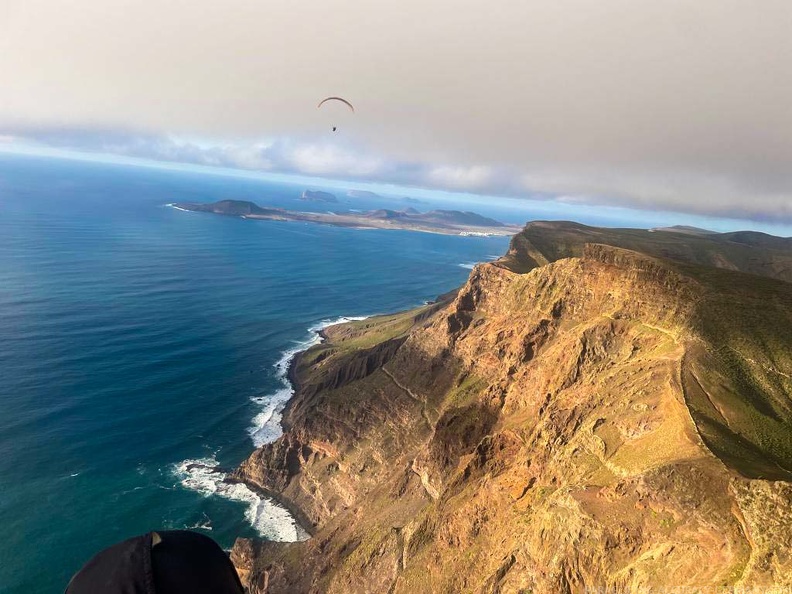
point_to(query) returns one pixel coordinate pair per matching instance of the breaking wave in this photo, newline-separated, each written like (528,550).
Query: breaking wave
(268,518)
(266,425)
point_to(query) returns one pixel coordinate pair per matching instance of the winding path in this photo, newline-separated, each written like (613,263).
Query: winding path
(413,396)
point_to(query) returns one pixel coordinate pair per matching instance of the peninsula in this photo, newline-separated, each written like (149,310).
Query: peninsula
(447,222)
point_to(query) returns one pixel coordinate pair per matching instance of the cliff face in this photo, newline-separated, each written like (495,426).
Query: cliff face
(610,420)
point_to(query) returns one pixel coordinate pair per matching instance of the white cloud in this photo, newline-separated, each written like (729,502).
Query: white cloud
(477,177)
(331,160)
(680,190)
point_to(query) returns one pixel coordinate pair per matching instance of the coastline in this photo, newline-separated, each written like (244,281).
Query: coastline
(268,516)
(302,521)
(275,424)
(291,371)
(275,518)
(289,366)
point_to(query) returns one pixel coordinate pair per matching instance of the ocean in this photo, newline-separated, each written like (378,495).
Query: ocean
(138,343)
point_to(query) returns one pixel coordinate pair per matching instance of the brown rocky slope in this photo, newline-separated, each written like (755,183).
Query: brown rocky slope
(609,421)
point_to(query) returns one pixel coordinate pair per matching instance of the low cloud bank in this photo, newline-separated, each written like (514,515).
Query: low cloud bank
(676,190)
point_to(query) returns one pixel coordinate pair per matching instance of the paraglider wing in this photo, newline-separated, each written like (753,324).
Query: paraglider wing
(341,99)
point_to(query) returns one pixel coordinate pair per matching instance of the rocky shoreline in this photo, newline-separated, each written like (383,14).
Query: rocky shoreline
(297,513)
(303,521)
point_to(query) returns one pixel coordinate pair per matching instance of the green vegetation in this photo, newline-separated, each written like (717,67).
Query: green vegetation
(466,392)
(744,374)
(349,339)
(363,334)
(743,313)
(756,253)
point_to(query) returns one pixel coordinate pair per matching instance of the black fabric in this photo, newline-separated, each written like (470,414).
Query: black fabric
(191,563)
(182,562)
(124,568)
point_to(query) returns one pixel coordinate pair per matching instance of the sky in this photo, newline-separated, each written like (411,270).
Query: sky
(676,105)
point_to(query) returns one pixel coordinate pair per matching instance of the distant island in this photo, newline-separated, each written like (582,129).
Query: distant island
(447,222)
(318,196)
(362,194)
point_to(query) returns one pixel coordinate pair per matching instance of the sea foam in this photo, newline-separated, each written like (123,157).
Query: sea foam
(173,205)
(268,518)
(472,265)
(266,425)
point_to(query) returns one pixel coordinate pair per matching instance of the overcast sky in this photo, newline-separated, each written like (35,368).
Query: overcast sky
(681,104)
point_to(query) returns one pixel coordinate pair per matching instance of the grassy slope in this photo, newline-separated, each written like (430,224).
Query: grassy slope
(737,374)
(754,253)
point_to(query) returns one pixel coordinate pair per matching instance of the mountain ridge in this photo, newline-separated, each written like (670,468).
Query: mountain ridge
(541,242)
(578,416)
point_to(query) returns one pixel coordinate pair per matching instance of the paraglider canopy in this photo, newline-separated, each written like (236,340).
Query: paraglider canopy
(341,99)
(341,102)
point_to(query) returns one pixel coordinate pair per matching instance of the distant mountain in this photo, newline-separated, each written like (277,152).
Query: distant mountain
(318,196)
(757,239)
(459,217)
(456,218)
(385,213)
(752,238)
(685,229)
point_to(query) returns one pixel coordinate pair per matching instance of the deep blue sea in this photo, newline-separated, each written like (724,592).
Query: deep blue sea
(135,338)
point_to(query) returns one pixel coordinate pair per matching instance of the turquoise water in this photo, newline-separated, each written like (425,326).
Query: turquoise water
(134,338)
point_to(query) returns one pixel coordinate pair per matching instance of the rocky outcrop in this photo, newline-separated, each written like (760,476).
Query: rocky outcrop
(611,421)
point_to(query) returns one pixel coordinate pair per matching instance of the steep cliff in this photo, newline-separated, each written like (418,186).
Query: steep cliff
(576,418)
